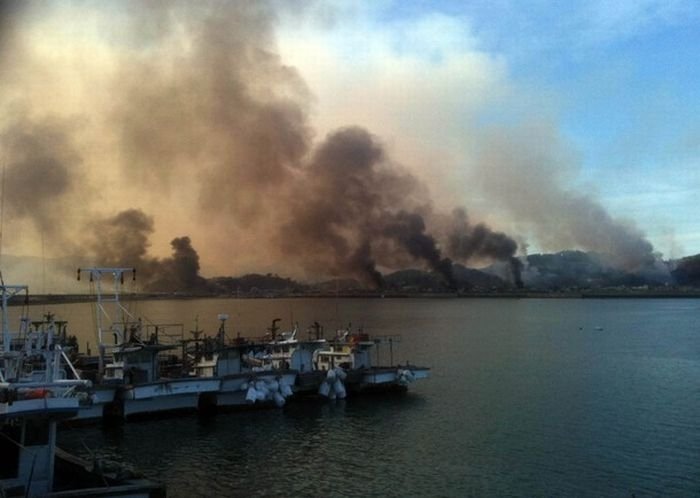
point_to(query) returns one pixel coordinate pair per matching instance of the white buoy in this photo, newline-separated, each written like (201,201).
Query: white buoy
(402,378)
(330,376)
(279,399)
(324,389)
(339,389)
(340,373)
(252,395)
(410,375)
(286,390)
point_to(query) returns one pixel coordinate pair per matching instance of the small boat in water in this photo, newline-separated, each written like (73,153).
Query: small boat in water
(286,351)
(347,363)
(334,368)
(134,365)
(152,371)
(244,381)
(36,356)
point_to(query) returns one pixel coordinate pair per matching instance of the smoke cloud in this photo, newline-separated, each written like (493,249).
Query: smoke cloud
(195,119)
(466,242)
(524,171)
(40,168)
(409,230)
(123,241)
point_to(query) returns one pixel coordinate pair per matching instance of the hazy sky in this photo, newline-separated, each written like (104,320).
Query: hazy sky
(545,120)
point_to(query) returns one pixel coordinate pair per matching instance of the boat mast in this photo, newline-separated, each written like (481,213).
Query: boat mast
(8,291)
(118,324)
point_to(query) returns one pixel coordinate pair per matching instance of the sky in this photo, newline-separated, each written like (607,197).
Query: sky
(556,125)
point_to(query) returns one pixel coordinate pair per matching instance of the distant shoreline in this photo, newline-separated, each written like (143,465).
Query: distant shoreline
(38,299)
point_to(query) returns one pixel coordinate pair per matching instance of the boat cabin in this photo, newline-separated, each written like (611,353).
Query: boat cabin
(135,364)
(348,351)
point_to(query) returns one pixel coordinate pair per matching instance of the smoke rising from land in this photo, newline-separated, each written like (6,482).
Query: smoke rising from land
(466,241)
(122,240)
(524,171)
(197,123)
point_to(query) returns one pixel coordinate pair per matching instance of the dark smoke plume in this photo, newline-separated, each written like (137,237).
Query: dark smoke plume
(336,210)
(362,263)
(123,240)
(466,241)
(184,264)
(410,231)
(204,108)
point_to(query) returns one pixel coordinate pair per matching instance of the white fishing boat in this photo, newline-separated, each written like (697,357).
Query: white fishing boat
(34,357)
(287,351)
(32,466)
(244,381)
(133,364)
(346,362)
(38,388)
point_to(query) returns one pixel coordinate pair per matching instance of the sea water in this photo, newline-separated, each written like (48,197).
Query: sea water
(527,397)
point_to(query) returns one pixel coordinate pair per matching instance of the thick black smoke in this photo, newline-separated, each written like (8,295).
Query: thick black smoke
(184,264)
(361,263)
(355,210)
(123,241)
(466,241)
(205,107)
(410,231)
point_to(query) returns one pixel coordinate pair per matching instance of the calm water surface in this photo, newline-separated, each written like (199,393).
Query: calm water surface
(527,398)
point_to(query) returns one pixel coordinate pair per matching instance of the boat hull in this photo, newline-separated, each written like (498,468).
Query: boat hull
(161,397)
(93,408)
(380,379)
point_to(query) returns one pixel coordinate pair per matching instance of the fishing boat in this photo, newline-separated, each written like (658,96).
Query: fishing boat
(287,351)
(36,356)
(38,388)
(133,365)
(30,463)
(346,362)
(244,380)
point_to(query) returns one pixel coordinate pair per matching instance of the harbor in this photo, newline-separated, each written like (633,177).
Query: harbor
(349,249)
(45,380)
(526,397)
(511,382)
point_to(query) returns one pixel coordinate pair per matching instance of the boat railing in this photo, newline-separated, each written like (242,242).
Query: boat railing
(382,340)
